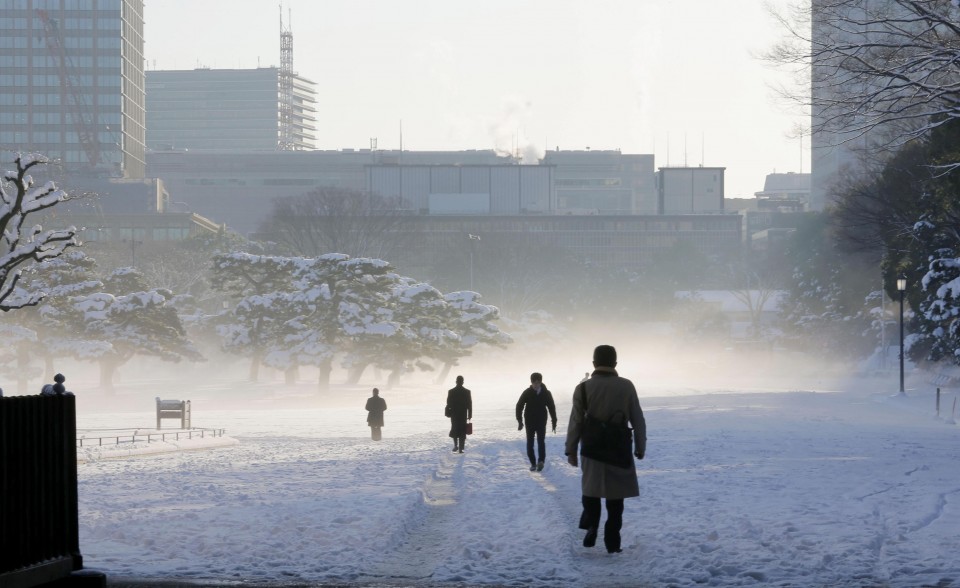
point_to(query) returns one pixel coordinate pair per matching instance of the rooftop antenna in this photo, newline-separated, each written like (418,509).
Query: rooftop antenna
(287,140)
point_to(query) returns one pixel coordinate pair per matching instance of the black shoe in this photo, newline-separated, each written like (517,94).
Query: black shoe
(533,468)
(455,450)
(590,539)
(539,466)
(617,550)
(460,451)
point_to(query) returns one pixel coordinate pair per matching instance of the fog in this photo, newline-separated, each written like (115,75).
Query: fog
(658,364)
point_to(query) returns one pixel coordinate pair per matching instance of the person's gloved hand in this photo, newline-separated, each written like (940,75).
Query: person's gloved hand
(554,426)
(572,460)
(519,425)
(638,454)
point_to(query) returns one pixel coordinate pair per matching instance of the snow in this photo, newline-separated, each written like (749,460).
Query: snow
(832,483)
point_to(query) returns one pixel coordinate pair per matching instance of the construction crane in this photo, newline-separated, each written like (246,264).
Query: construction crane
(83,119)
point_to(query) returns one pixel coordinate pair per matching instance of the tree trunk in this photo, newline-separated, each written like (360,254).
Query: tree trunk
(447,366)
(394,377)
(255,367)
(291,375)
(108,368)
(323,382)
(356,371)
(23,370)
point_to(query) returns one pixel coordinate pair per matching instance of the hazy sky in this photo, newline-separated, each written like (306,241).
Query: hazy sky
(677,79)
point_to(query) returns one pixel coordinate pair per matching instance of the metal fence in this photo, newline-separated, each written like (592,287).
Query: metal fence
(107,437)
(39,525)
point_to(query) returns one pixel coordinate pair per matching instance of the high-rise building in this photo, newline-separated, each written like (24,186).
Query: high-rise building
(72,83)
(230,109)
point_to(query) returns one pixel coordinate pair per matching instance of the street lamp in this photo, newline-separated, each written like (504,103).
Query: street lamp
(472,238)
(901,287)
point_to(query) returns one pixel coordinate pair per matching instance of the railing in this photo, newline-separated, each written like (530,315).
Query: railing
(39,525)
(133,437)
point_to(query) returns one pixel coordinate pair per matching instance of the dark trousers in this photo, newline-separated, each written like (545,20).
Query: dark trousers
(460,441)
(540,431)
(375,433)
(591,519)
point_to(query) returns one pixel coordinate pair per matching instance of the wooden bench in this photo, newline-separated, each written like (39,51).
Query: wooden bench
(174,409)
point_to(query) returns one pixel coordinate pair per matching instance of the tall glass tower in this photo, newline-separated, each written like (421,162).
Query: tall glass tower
(72,83)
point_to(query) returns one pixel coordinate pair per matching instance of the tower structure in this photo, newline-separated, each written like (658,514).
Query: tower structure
(286,141)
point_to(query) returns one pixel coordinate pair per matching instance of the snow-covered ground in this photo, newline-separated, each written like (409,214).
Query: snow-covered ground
(836,484)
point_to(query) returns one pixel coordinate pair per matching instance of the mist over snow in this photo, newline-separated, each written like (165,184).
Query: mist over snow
(760,470)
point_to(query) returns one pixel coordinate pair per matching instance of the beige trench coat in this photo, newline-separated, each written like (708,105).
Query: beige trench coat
(607,393)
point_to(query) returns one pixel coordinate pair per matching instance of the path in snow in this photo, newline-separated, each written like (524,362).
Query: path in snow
(796,489)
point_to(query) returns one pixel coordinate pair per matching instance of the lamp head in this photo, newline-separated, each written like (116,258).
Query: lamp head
(901,284)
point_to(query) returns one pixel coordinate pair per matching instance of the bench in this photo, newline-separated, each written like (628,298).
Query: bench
(174,409)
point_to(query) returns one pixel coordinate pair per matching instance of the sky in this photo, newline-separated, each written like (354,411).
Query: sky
(830,482)
(680,80)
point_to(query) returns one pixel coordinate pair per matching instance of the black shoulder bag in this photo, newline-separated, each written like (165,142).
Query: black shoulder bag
(609,441)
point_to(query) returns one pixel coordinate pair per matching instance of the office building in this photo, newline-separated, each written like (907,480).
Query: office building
(228,109)
(72,83)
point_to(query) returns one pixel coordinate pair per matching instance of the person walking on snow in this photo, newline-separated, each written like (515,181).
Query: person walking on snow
(460,410)
(532,407)
(605,393)
(375,407)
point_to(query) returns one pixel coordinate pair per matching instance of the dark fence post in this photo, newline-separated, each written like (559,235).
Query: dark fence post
(40,538)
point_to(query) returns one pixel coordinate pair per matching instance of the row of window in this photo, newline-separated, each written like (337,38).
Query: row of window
(69,137)
(155,234)
(100,5)
(84,81)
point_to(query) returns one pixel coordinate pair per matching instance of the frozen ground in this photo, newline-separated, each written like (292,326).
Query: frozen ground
(830,485)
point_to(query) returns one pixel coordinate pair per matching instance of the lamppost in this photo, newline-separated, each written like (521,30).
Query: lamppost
(472,238)
(902,288)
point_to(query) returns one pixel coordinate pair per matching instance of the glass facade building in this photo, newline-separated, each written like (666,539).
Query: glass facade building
(72,83)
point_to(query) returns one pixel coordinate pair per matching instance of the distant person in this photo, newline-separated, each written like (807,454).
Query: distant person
(586,376)
(605,393)
(532,407)
(460,410)
(375,407)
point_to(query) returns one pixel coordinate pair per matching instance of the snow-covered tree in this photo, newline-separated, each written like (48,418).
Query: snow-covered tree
(260,288)
(20,245)
(123,320)
(52,336)
(475,326)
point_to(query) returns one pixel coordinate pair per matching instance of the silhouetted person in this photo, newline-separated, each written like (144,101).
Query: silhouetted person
(375,407)
(460,409)
(534,404)
(605,393)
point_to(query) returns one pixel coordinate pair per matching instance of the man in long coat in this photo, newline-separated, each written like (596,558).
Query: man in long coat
(375,408)
(460,410)
(605,394)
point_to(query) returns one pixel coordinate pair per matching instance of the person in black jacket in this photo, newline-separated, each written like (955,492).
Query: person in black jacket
(375,407)
(532,407)
(460,410)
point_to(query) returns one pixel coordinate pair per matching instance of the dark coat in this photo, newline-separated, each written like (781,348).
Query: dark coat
(607,393)
(461,408)
(375,407)
(534,407)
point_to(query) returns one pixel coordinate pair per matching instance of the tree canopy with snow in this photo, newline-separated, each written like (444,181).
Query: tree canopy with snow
(21,244)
